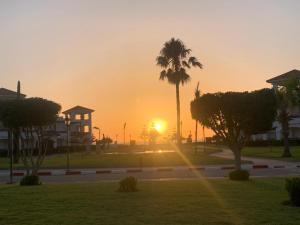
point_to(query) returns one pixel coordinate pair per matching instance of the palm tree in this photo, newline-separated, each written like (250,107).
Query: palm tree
(175,58)
(287,98)
(197,95)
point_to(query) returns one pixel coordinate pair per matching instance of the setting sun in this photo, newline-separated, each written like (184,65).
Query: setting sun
(159,125)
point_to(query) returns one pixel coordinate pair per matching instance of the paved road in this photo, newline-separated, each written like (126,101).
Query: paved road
(276,169)
(161,175)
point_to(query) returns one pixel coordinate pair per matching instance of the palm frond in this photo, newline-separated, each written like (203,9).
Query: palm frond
(162,61)
(185,64)
(194,62)
(163,75)
(184,77)
(174,55)
(197,92)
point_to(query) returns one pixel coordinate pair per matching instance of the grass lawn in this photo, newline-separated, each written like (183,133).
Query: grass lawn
(271,152)
(160,203)
(94,160)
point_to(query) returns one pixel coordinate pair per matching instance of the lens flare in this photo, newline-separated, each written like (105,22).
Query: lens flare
(159,125)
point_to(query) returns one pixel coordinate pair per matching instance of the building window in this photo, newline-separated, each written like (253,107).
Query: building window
(86,129)
(86,116)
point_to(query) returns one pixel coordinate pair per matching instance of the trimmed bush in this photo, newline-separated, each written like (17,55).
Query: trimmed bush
(239,175)
(292,186)
(128,184)
(30,180)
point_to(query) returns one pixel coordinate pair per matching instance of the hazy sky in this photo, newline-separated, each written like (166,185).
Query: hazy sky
(101,54)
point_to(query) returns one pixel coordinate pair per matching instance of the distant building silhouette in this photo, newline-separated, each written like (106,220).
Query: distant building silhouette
(6,95)
(80,128)
(80,124)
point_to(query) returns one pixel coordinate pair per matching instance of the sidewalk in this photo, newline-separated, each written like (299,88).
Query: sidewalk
(227,154)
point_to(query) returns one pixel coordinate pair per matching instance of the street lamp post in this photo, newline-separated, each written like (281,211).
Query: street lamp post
(97,128)
(67,122)
(10,147)
(124,130)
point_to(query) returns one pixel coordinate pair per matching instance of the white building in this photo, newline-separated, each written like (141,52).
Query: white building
(78,132)
(80,129)
(294,123)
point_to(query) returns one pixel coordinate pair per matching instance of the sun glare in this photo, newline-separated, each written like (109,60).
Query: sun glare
(159,125)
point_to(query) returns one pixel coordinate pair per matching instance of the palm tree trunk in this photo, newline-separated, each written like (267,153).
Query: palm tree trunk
(237,159)
(16,146)
(178,114)
(285,134)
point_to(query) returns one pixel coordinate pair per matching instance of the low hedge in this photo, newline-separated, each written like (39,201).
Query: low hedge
(128,184)
(292,186)
(30,180)
(239,175)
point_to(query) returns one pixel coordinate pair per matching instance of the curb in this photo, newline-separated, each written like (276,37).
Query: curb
(140,170)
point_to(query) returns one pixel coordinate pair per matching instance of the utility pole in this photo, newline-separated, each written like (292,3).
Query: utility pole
(124,132)
(11,149)
(67,123)
(97,128)
(203,128)
(181,130)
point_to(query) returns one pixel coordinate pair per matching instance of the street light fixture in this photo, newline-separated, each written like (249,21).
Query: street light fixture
(97,128)
(67,123)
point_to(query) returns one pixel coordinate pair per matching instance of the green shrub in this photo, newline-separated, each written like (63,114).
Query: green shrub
(30,180)
(292,186)
(128,184)
(239,175)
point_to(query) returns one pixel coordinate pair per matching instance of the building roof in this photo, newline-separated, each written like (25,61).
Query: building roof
(78,109)
(281,79)
(6,94)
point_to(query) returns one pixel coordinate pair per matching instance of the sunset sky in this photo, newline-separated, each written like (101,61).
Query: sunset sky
(101,54)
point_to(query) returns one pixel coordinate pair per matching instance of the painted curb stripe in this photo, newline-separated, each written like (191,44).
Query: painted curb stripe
(278,166)
(228,168)
(164,169)
(45,173)
(72,172)
(134,171)
(196,168)
(260,166)
(18,174)
(103,171)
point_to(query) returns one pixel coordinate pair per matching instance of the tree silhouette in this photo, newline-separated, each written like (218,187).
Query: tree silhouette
(32,116)
(197,95)
(235,116)
(175,58)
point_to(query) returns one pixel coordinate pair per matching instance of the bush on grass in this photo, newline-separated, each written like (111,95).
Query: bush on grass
(292,186)
(239,175)
(128,184)
(30,180)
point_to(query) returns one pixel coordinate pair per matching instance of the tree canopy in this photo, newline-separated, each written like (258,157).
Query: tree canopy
(175,59)
(235,116)
(28,112)
(31,116)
